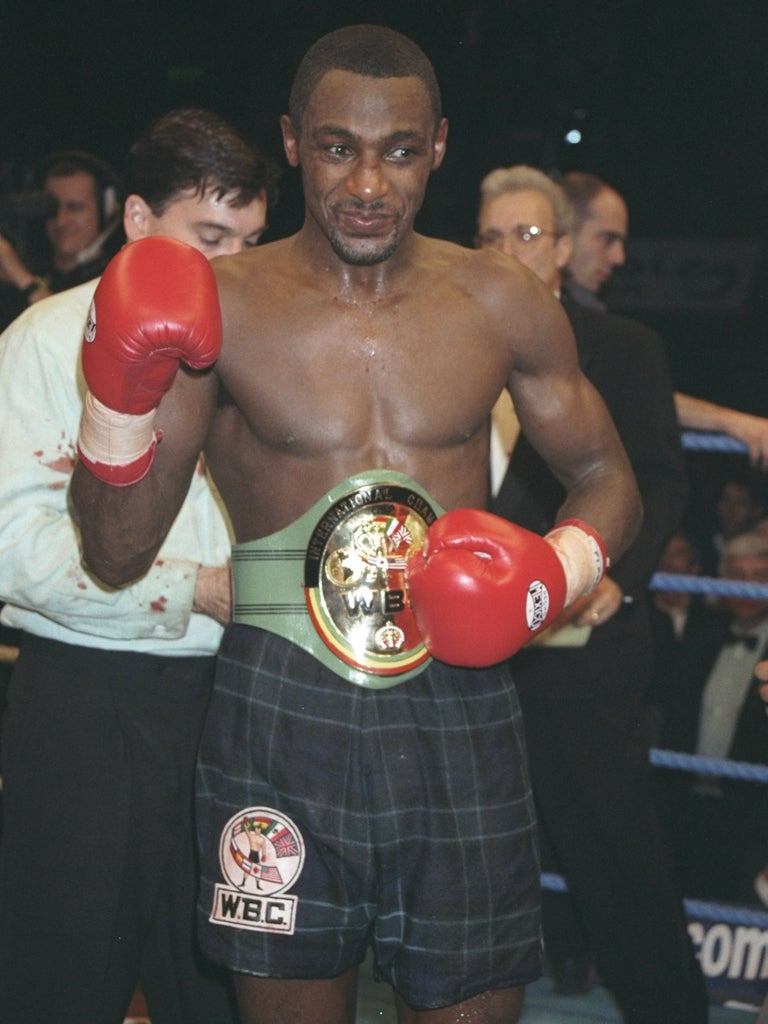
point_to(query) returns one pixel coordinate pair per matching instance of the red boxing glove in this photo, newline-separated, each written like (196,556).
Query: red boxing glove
(155,306)
(481,587)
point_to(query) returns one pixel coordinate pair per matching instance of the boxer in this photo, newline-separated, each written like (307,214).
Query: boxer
(346,422)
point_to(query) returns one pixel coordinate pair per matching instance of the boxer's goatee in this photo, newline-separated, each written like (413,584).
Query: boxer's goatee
(366,254)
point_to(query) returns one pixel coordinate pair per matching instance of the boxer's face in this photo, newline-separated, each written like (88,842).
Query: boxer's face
(366,148)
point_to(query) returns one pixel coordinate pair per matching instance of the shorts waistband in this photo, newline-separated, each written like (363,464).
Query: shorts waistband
(333,581)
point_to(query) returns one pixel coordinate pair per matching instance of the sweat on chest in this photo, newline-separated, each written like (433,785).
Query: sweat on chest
(359,371)
(346,405)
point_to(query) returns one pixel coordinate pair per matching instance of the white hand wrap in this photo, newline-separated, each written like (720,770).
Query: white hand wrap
(582,553)
(114,438)
(117,447)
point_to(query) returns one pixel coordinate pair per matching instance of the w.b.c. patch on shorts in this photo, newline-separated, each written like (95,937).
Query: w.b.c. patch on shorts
(261,854)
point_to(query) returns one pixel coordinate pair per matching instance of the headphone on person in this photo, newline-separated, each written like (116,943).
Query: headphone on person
(110,188)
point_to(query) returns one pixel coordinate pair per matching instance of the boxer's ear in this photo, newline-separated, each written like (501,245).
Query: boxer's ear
(290,140)
(438,146)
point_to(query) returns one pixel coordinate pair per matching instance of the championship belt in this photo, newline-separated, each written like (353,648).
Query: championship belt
(333,582)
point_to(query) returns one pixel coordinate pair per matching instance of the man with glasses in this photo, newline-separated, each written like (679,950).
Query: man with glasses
(583,691)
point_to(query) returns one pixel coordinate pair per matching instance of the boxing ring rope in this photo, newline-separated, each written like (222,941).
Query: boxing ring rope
(704,910)
(707,585)
(704,441)
(709,766)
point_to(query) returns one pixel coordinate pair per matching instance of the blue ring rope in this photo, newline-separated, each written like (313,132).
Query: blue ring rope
(707,911)
(704,910)
(705,441)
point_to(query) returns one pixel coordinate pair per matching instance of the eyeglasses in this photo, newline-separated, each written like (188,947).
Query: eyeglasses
(524,233)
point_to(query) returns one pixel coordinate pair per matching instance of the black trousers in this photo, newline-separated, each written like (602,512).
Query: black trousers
(98,866)
(584,717)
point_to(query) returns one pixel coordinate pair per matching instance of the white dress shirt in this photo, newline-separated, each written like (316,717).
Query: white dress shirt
(46,588)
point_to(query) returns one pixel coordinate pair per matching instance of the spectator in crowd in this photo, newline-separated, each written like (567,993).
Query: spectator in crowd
(680,557)
(583,693)
(601,227)
(98,875)
(713,708)
(682,624)
(599,239)
(739,506)
(83,233)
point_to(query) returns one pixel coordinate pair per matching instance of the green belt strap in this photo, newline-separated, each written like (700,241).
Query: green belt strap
(333,581)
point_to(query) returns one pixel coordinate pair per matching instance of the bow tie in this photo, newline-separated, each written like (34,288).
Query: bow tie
(750,642)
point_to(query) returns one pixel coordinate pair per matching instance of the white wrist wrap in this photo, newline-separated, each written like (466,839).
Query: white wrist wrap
(582,554)
(114,438)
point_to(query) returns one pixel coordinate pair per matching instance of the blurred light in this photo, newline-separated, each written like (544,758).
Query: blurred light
(573,137)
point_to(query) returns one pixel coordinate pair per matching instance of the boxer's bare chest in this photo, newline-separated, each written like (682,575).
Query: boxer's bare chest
(323,383)
(310,370)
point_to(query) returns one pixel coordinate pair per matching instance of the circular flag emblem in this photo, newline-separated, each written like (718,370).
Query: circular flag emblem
(261,851)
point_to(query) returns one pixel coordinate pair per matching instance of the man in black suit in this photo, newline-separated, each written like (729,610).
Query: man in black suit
(687,631)
(684,625)
(712,707)
(584,704)
(600,230)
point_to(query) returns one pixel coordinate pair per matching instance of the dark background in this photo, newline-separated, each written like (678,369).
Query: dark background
(670,97)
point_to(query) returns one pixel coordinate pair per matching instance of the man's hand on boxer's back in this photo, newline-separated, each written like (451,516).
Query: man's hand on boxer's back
(481,587)
(155,306)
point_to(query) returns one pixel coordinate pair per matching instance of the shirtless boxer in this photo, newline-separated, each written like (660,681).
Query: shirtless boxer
(360,364)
